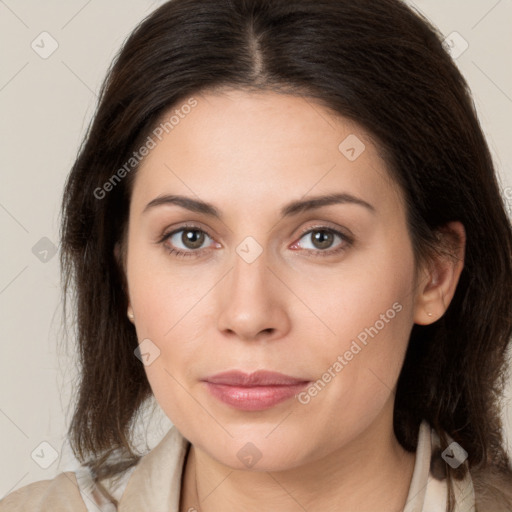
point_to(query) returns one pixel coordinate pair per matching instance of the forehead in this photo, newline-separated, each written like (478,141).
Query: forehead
(246,146)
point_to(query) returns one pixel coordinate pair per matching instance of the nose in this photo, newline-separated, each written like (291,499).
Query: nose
(252,302)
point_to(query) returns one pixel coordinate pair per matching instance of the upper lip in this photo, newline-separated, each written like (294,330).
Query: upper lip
(258,378)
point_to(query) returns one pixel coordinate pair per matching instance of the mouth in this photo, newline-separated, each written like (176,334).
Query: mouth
(253,392)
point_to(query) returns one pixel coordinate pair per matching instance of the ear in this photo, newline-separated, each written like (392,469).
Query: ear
(438,282)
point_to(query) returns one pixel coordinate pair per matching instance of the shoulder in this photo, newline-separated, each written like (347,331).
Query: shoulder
(133,488)
(61,494)
(493,490)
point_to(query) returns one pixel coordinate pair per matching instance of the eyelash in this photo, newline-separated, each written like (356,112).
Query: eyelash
(178,253)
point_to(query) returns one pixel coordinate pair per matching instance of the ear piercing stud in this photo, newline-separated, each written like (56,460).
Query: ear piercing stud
(130,315)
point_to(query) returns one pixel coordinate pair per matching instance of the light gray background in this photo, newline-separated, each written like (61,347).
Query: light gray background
(46,104)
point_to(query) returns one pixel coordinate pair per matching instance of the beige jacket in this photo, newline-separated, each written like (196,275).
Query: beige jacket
(153,485)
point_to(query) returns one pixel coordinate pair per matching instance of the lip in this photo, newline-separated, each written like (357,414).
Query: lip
(255,391)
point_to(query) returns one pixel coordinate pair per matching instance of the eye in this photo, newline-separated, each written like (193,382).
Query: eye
(322,241)
(190,240)
(185,241)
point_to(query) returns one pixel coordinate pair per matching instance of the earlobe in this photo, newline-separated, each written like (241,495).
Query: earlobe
(437,288)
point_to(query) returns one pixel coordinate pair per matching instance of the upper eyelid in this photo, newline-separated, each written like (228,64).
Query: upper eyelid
(327,227)
(190,227)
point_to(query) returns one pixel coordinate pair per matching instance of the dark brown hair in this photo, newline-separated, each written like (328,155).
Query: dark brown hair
(376,62)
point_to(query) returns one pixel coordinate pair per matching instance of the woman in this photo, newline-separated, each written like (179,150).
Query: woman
(285,225)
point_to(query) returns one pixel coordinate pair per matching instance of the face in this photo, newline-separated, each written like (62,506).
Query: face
(263,279)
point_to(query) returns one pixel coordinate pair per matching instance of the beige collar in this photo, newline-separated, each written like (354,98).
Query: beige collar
(428,493)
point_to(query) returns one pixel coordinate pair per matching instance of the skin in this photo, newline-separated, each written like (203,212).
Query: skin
(292,310)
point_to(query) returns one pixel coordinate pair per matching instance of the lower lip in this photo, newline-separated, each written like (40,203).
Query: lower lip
(256,398)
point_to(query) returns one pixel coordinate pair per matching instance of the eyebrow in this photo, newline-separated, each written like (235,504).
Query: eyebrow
(292,208)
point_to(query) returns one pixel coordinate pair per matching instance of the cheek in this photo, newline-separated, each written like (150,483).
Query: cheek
(368,300)
(169,325)
(163,293)
(368,307)
(172,335)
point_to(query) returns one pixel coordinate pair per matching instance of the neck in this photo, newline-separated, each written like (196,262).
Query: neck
(373,473)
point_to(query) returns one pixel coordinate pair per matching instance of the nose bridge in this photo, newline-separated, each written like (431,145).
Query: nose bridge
(250,267)
(250,270)
(251,300)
